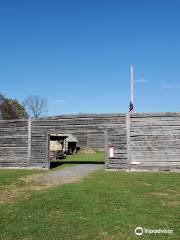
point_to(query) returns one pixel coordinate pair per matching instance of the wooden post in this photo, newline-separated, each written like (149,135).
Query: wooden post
(47,149)
(128,140)
(106,147)
(29,141)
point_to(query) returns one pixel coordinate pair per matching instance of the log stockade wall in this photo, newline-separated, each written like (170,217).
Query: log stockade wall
(14,143)
(155,141)
(27,141)
(149,141)
(142,141)
(87,128)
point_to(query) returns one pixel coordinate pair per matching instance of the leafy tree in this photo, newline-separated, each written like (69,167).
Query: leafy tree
(35,106)
(12,109)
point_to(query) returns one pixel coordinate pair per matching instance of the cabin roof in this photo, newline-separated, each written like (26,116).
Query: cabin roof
(66,137)
(71,138)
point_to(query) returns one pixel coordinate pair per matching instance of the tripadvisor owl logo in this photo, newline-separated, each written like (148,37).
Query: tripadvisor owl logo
(139,231)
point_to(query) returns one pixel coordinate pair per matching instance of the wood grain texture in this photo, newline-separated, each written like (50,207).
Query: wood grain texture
(128,139)
(14,143)
(155,141)
(29,142)
(118,139)
(87,128)
(142,141)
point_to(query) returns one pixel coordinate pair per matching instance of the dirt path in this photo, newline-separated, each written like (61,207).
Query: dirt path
(48,179)
(65,175)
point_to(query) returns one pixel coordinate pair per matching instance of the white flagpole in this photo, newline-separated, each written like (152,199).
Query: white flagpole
(132,84)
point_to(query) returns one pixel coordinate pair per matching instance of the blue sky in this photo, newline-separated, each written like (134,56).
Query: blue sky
(77,54)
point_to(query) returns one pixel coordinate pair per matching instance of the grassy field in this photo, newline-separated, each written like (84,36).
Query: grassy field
(106,205)
(11,176)
(97,156)
(80,157)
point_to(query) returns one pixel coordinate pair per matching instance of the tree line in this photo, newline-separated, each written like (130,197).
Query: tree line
(32,106)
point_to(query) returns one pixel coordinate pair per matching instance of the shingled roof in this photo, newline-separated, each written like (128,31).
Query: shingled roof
(71,138)
(66,137)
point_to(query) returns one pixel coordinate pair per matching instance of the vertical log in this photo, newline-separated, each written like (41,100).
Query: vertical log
(106,147)
(29,141)
(128,139)
(47,163)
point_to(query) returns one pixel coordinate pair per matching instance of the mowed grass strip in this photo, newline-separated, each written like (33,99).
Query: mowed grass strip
(11,183)
(12,176)
(80,157)
(106,205)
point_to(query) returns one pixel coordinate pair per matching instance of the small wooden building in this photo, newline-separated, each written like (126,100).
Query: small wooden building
(61,145)
(71,144)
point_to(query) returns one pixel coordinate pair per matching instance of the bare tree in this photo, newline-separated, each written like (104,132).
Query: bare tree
(35,106)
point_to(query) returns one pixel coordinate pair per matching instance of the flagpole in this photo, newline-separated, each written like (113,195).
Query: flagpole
(131,105)
(132,84)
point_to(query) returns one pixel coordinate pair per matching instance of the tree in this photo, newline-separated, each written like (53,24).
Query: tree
(11,109)
(35,106)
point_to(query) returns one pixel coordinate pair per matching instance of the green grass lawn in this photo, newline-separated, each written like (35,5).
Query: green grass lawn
(80,157)
(106,205)
(97,156)
(9,176)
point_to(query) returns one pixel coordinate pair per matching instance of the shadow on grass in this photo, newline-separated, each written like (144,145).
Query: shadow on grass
(54,164)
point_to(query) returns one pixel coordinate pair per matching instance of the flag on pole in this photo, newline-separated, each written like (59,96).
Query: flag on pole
(131,107)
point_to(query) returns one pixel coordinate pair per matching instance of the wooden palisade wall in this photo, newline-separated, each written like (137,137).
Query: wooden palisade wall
(14,143)
(87,128)
(117,139)
(155,141)
(142,141)
(152,142)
